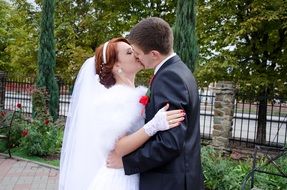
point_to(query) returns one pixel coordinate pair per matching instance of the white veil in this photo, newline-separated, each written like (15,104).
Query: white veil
(77,159)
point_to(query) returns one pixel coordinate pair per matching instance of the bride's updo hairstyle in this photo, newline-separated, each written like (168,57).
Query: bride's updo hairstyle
(106,57)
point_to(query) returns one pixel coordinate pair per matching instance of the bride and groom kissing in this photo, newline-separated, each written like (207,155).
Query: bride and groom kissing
(109,143)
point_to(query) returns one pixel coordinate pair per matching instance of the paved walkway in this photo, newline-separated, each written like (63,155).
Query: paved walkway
(18,174)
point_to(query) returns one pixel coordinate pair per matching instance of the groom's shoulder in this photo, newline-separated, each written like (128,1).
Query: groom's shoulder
(180,68)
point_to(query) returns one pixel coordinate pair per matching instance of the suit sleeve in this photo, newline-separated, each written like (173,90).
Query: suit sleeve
(166,145)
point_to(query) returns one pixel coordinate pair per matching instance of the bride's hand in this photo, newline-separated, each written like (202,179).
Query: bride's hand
(114,160)
(173,117)
(164,120)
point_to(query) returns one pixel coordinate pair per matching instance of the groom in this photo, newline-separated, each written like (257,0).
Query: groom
(170,159)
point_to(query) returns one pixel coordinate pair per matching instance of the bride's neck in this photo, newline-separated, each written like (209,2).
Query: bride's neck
(127,81)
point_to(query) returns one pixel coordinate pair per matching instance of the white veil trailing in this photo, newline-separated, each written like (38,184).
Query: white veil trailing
(75,169)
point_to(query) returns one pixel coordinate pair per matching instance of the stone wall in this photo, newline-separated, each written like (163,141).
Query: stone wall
(223,114)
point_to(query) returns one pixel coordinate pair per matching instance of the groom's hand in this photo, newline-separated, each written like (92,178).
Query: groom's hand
(114,160)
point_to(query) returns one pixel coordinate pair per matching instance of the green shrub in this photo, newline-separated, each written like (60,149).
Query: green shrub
(265,181)
(40,137)
(15,132)
(224,173)
(221,172)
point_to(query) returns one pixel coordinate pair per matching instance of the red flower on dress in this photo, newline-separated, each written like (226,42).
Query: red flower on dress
(19,105)
(144,100)
(24,133)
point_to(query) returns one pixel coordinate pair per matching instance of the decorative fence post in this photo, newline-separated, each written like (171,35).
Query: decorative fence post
(3,77)
(223,115)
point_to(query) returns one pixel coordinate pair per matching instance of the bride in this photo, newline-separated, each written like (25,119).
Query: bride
(104,107)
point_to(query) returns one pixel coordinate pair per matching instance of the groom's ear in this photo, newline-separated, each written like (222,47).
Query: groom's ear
(155,54)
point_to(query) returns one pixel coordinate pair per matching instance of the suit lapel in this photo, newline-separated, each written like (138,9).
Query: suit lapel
(150,111)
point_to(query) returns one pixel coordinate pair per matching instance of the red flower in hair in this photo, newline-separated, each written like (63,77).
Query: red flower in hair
(24,133)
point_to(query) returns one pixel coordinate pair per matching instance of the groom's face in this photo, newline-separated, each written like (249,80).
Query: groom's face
(145,59)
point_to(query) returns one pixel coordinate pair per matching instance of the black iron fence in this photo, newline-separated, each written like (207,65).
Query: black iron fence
(207,98)
(18,91)
(245,123)
(245,120)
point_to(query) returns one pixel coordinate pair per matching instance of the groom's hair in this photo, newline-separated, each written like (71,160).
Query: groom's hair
(152,33)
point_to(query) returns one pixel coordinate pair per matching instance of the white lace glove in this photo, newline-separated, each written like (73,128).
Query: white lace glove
(158,122)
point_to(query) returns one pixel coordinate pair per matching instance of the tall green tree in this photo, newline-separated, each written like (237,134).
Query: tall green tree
(46,57)
(245,41)
(185,42)
(21,31)
(80,26)
(5,10)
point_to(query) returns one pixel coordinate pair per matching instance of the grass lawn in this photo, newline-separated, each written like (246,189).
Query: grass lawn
(53,160)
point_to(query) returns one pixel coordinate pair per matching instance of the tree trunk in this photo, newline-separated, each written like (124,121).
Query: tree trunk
(262,118)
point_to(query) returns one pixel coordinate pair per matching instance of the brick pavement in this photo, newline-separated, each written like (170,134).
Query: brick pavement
(17,174)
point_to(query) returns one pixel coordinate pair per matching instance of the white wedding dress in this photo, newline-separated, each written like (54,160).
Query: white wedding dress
(122,115)
(97,118)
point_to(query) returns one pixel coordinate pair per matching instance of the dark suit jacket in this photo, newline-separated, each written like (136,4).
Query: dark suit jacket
(171,159)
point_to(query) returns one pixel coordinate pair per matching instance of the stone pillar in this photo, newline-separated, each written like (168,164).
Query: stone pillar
(223,114)
(3,78)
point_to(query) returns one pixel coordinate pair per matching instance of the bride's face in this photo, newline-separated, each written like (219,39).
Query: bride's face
(126,59)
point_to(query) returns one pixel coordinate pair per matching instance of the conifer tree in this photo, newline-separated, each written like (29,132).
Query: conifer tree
(185,43)
(46,58)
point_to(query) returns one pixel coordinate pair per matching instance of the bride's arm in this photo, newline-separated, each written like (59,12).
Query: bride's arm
(129,143)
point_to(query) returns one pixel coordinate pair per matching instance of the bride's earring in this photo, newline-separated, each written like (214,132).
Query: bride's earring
(120,70)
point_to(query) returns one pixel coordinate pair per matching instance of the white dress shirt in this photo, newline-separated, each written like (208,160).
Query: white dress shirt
(162,62)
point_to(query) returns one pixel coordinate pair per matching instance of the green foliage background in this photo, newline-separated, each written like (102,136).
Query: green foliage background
(80,26)
(244,42)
